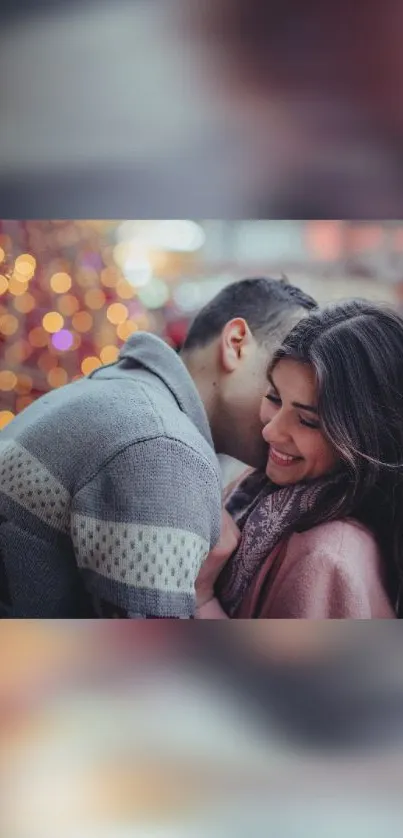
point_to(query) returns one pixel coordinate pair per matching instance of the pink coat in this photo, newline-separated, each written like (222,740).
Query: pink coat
(333,571)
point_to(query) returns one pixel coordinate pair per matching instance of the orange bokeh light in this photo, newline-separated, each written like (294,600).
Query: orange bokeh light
(124,330)
(8,380)
(24,384)
(3,284)
(5,417)
(90,364)
(109,354)
(82,321)
(57,377)
(68,305)
(25,303)
(8,324)
(17,287)
(95,298)
(38,337)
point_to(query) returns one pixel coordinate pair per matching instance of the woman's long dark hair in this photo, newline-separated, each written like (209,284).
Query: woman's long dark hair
(356,350)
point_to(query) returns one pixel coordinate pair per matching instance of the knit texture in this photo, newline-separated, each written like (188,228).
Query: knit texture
(110,493)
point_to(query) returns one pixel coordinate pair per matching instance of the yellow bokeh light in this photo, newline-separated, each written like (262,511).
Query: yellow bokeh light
(124,290)
(24,304)
(5,417)
(82,321)
(23,402)
(117,313)
(52,322)
(38,337)
(3,284)
(95,298)
(68,305)
(124,330)
(90,364)
(57,377)
(8,380)
(2,255)
(60,282)
(109,354)
(8,324)
(24,384)
(25,265)
(46,362)
(16,287)
(110,277)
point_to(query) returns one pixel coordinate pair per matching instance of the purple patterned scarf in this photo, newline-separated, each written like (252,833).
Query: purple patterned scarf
(266,514)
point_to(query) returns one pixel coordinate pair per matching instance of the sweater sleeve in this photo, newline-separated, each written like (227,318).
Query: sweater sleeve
(143,525)
(319,587)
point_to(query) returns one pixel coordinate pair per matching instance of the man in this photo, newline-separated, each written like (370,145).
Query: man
(110,488)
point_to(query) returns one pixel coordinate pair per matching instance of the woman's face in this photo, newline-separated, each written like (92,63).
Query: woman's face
(298,448)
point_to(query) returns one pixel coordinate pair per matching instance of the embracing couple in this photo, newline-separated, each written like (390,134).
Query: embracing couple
(111,492)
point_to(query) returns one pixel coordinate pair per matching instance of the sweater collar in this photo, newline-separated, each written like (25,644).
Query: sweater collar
(153,354)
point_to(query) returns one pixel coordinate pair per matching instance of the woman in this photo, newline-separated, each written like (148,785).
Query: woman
(320,535)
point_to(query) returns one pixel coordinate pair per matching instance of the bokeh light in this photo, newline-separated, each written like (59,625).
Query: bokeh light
(52,322)
(46,362)
(25,303)
(95,298)
(110,277)
(62,340)
(17,286)
(24,384)
(8,324)
(25,265)
(124,330)
(109,354)
(8,380)
(68,305)
(117,313)
(2,255)
(38,337)
(60,283)
(3,284)
(57,377)
(5,417)
(155,294)
(18,352)
(90,364)
(82,321)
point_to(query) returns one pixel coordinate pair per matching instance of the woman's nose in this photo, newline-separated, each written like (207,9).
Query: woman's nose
(276,431)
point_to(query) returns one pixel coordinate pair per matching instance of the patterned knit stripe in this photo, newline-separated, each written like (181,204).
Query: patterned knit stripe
(27,482)
(115,599)
(137,555)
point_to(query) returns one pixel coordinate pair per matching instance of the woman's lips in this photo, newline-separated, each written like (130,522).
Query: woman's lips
(281,459)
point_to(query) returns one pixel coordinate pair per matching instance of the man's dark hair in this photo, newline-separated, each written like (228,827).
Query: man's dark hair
(263,302)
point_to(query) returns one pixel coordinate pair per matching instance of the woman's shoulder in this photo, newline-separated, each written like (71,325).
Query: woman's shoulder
(338,541)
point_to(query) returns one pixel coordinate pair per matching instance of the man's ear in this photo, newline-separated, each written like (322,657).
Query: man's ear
(235,340)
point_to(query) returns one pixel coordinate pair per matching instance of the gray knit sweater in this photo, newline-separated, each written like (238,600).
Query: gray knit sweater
(110,493)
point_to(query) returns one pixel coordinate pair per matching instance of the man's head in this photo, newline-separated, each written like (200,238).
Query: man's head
(227,351)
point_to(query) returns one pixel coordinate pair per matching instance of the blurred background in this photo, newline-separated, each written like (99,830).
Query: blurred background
(220,108)
(71,292)
(289,730)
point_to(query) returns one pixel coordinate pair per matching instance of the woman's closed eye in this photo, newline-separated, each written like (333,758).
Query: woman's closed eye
(309,424)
